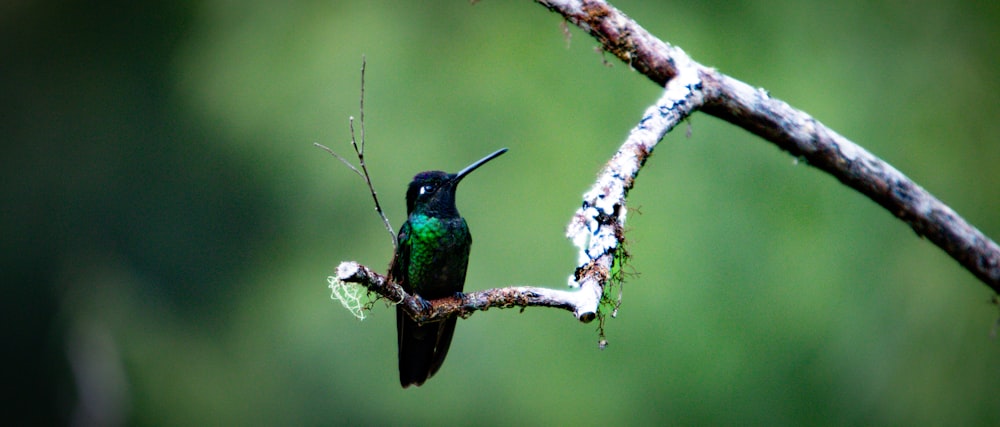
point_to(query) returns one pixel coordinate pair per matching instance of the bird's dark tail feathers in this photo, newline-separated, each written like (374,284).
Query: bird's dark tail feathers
(422,348)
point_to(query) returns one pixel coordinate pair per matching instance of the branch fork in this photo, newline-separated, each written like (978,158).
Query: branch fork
(597,227)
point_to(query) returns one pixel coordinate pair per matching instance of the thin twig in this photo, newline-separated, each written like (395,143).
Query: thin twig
(360,152)
(339,157)
(361,109)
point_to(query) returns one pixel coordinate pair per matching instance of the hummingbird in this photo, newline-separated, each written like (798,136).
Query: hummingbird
(432,254)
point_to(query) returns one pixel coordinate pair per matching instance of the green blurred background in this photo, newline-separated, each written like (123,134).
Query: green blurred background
(168,226)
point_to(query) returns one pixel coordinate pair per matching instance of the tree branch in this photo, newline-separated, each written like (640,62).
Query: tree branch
(793,131)
(421,310)
(597,227)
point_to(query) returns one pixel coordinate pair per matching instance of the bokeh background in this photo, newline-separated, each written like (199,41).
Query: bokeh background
(168,226)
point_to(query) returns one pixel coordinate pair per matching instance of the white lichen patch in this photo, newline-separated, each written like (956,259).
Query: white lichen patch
(350,295)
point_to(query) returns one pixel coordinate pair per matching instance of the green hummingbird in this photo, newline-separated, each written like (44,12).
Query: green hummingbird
(431,258)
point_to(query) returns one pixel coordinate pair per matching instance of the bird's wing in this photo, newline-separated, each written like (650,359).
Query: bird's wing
(401,260)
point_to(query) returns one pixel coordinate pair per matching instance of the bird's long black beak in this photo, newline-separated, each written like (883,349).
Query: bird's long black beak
(468,169)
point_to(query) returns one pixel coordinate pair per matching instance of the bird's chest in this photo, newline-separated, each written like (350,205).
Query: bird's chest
(439,254)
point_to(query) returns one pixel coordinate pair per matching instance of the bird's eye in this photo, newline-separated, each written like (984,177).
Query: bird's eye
(426,189)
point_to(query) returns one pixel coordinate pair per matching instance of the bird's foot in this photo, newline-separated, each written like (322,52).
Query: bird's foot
(425,305)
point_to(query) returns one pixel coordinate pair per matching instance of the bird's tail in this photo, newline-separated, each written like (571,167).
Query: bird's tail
(422,348)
